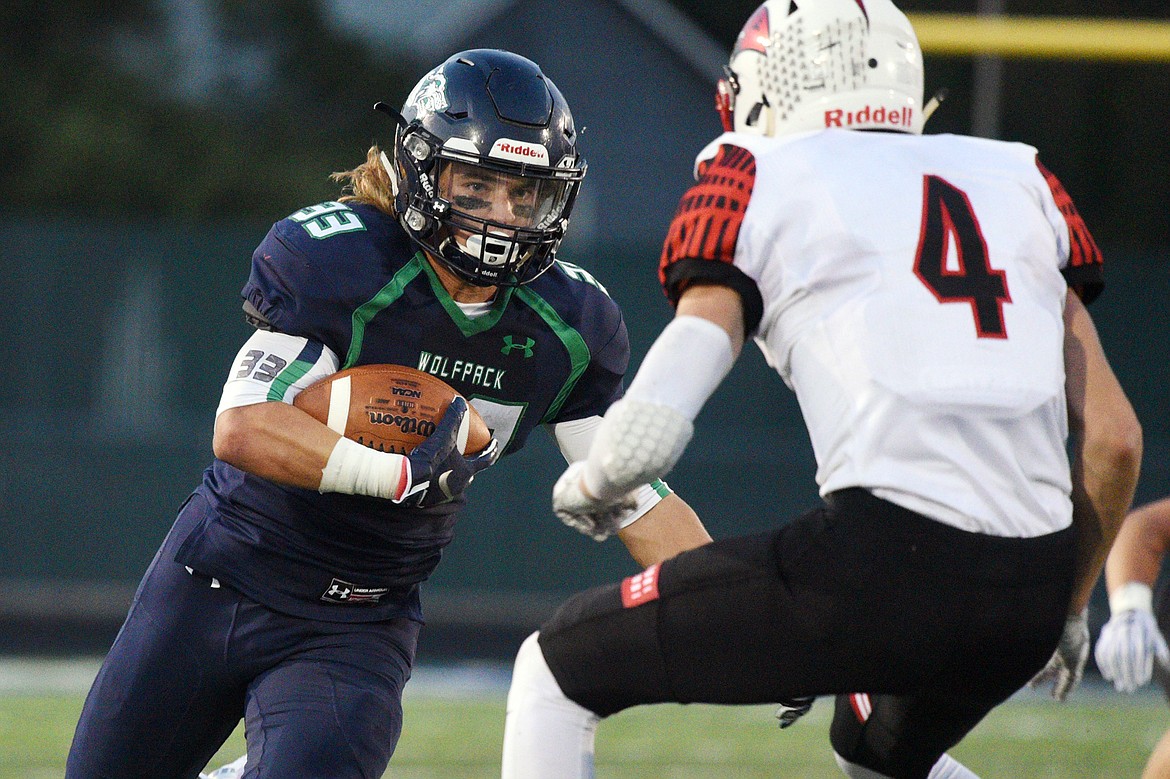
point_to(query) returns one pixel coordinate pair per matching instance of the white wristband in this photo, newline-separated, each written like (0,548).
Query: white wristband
(1132,596)
(354,469)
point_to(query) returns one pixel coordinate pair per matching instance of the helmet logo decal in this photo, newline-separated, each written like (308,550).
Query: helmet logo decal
(865,13)
(755,34)
(430,96)
(519,151)
(897,117)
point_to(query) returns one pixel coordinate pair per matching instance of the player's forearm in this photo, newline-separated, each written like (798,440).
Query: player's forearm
(1108,447)
(275,441)
(1098,511)
(662,532)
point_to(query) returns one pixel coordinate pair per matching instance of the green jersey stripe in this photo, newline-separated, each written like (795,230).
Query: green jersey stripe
(574,343)
(386,296)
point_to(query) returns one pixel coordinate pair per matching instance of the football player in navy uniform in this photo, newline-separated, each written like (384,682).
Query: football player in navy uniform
(921,295)
(287,591)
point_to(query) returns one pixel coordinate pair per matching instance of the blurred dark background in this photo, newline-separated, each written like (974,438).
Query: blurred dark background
(149,144)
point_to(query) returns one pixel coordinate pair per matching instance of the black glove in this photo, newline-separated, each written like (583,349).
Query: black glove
(1067,665)
(793,709)
(438,473)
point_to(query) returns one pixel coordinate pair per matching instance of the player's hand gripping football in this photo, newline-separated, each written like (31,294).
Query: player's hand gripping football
(1067,665)
(1128,647)
(595,517)
(436,471)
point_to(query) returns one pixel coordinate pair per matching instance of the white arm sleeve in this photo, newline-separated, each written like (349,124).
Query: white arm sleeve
(645,433)
(574,439)
(275,366)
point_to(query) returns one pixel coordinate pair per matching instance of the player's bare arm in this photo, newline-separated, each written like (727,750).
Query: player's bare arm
(1107,441)
(718,304)
(276,441)
(1107,451)
(1137,554)
(672,526)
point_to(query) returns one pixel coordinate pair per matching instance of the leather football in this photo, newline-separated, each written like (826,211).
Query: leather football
(390,408)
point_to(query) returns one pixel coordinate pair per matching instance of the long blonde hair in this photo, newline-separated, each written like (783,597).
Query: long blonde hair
(367,183)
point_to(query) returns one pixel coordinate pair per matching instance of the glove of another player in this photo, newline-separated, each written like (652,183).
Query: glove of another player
(595,518)
(437,472)
(793,709)
(1129,645)
(1067,665)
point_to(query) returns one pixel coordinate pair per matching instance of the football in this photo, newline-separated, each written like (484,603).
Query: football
(391,408)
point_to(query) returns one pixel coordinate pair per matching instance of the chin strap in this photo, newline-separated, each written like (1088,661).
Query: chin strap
(726,89)
(393,174)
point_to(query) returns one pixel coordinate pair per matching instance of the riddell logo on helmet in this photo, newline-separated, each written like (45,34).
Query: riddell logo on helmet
(900,117)
(519,151)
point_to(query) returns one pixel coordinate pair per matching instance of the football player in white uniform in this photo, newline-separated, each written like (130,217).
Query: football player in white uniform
(923,297)
(1131,649)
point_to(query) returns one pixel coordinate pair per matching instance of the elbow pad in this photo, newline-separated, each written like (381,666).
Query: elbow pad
(637,443)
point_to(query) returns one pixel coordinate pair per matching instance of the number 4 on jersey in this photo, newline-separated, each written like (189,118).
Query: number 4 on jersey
(949,226)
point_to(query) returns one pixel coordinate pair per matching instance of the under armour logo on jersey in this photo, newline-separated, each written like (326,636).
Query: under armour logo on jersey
(349,593)
(510,344)
(640,588)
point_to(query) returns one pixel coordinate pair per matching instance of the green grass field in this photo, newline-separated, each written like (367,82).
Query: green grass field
(457,736)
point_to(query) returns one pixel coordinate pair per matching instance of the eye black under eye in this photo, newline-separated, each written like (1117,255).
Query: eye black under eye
(469,203)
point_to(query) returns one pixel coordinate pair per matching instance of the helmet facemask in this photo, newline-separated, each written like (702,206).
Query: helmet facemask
(506,223)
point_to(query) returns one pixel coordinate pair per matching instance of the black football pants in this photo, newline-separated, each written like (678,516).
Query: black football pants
(937,626)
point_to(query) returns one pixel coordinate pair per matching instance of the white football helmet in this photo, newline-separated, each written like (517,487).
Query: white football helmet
(804,65)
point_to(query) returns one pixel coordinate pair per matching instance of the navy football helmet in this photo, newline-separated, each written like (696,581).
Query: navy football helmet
(485,167)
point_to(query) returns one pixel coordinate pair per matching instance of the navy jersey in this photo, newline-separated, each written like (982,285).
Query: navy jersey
(346,276)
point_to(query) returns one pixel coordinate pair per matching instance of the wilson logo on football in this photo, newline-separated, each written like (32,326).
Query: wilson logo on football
(422,427)
(519,151)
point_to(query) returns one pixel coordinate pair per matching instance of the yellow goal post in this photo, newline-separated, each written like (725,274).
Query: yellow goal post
(1044,37)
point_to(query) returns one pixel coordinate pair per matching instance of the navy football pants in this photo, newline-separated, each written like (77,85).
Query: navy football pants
(321,699)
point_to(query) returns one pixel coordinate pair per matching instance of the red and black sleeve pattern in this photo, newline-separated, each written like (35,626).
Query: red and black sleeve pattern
(700,245)
(1085,270)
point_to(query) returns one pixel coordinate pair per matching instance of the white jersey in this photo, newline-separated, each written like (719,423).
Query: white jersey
(910,292)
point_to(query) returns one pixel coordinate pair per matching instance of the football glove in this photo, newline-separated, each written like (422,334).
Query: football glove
(436,472)
(793,709)
(1067,665)
(1129,645)
(595,518)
